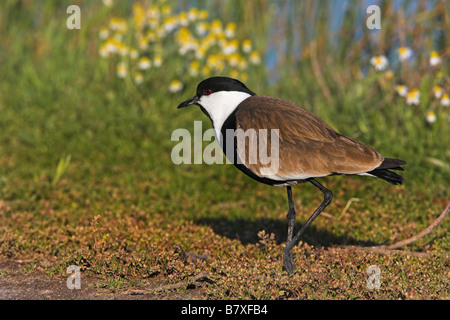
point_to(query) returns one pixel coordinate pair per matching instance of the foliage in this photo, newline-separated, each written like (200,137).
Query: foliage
(86,176)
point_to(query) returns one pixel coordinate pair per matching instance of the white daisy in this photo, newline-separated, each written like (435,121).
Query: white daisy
(402,90)
(144,63)
(404,53)
(445,101)
(435,59)
(413,97)
(437,92)
(430,117)
(379,62)
(175,86)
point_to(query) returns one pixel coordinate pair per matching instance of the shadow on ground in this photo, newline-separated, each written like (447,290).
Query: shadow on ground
(246,231)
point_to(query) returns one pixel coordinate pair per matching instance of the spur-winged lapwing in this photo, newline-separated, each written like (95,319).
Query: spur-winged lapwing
(308,148)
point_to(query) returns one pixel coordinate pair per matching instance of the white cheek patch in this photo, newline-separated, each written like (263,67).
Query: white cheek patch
(220,105)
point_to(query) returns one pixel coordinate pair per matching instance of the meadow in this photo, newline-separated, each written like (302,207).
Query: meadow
(86,117)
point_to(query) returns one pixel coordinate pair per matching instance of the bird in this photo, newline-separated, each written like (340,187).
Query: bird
(307,147)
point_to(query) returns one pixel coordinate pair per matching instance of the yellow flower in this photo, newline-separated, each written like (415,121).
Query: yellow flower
(200,53)
(206,71)
(153,13)
(401,90)
(230,30)
(157,61)
(134,54)
(234,74)
(247,46)
(138,78)
(118,24)
(431,117)
(435,59)
(121,70)
(379,62)
(389,75)
(255,58)
(413,97)
(230,47)
(201,28)
(175,86)
(138,15)
(203,14)
(404,53)
(143,43)
(183,18)
(445,101)
(103,33)
(192,14)
(216,27)
(166,10)
(438,92)
(144,63)
(194,68)
(234,59)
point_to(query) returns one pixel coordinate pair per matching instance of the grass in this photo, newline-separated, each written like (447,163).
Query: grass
(86,178)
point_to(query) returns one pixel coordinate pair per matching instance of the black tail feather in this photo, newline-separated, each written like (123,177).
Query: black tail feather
(387,175)
(394,164)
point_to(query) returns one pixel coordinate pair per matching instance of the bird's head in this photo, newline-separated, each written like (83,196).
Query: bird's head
(217,95)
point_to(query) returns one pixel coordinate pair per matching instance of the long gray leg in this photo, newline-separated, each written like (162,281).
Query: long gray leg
(288,259)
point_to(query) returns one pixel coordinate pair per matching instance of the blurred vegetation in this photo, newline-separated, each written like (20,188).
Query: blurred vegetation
(78,142)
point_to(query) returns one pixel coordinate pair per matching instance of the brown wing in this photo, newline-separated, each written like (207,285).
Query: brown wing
(308,147)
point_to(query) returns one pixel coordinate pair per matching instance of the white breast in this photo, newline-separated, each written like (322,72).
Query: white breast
(220,105)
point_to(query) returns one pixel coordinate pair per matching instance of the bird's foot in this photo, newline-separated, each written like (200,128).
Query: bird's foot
(288,260)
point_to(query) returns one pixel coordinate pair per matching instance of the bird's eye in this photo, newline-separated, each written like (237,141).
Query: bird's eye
(207,92)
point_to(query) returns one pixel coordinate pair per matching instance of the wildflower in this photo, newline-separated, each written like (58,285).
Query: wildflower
(203,14)
(230,47)
(201,28)
(230,30)
(402,90)
(430,117)
(206,71)
(192,14)
(216,27)
(104,53)
(438,92)
(445,101)
(153,13)
(201,52)
(175,86)
(144,63)
(389,75)
(138,78)
(118,24)
(166,10)
(157,61)
(247,46)
(379,62)
(404,53)
(170,23)
(183,18)
(121,70)
(134,54)
(413,97)
(143,43)
(255,58)
(107,3)
(434,58)
(103,33)
(194,68)
(138,15)
(233,59)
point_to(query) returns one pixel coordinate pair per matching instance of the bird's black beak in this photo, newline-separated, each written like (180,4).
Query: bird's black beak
(188,102)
